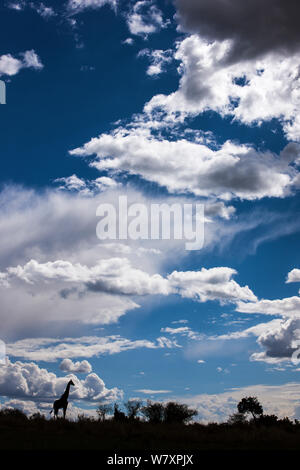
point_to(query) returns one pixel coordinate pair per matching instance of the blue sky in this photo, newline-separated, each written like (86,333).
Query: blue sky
(164,102)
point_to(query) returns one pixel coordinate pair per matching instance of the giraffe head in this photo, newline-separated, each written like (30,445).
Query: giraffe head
(71,382)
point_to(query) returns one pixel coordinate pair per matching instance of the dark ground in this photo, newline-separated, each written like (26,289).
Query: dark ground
(109,436)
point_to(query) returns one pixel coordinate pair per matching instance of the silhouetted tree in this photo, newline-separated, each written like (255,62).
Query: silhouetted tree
(132,407)
(250,405)
(154,412)
(178,413)
(102,410)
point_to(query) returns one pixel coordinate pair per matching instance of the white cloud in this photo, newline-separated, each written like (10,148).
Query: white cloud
(26,380)
(80,367)
(43,10)
(65,285)
(252,91)
(10,65)
(278,340)
(293,276)
(128,41)
(57,307)
(210,284)
(114,275)
(84,187)
(117,276)
(52,349)
(40,8)
(182,331)
(287,307)
(148,391)
(76,6)
(71,183)
(18,6)
(105,182)
(158,59)
(145,18)
(183,166)
(281,400)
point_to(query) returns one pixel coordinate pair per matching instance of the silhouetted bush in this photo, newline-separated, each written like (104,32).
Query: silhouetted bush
(178,413)
(170,412)
(286,421)
(237,418)
(37,417)
(12,414)
(268,420)
(83,419)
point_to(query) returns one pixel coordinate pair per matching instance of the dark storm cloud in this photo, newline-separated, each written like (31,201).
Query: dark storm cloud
(255,26)
(278,343)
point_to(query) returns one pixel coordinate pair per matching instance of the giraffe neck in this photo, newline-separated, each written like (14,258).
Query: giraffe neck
(66,393)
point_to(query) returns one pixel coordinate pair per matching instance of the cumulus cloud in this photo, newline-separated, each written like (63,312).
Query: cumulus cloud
(80,367)
(26,380)
(279,343)
(10,65)
(117,276)
(210,284)
(145,18)
(183,166)
(251,91)
(293,276)
(279,339)
(253,27)
(114,275)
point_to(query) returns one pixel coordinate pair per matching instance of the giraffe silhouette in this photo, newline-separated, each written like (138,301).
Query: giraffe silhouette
(62,402)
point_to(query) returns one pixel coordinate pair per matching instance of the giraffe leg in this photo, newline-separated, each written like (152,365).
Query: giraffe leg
(65,410)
